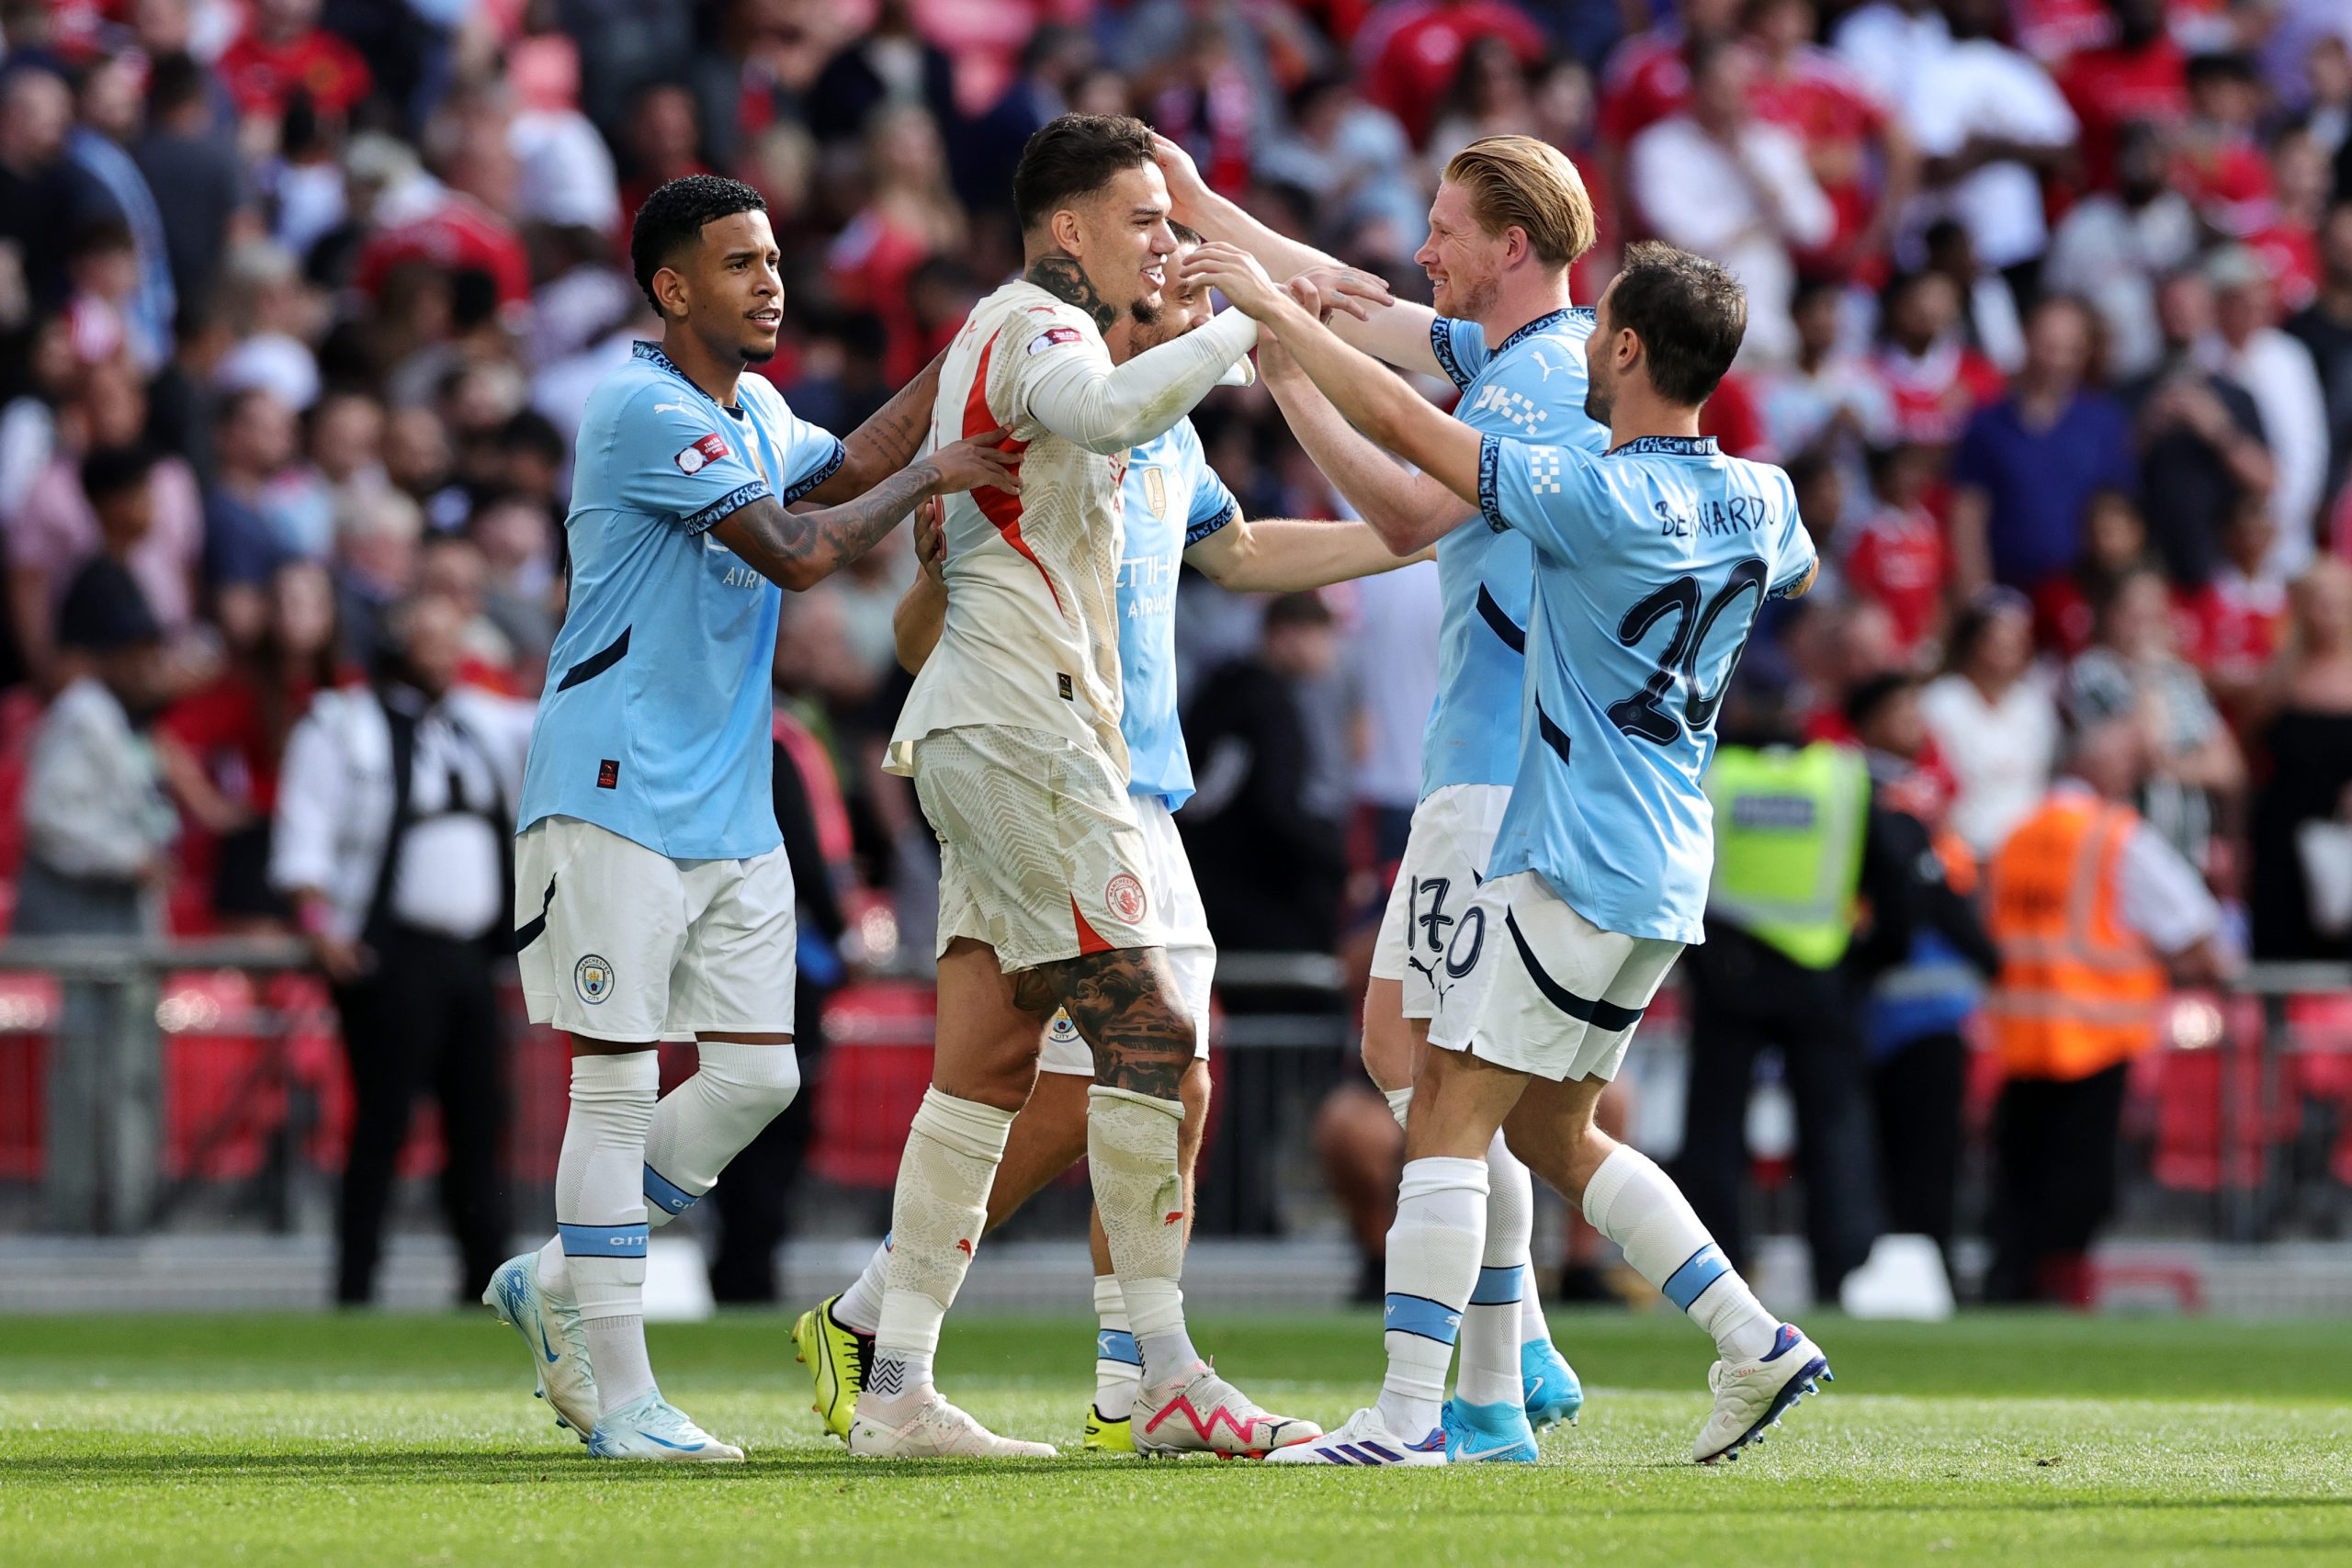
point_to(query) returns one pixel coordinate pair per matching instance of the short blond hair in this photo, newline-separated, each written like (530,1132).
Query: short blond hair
(1519,182)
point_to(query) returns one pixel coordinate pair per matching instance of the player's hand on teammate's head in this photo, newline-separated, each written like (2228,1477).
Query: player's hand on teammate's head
(1349,288)
(931,541)
(1233,273)
(975,462)
(1185,186)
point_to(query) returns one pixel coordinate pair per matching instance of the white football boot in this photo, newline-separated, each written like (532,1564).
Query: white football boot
(1752,1395)
(936,1429)
(1364,1440)
(651,1428)
(559,1360)
(1197,1412)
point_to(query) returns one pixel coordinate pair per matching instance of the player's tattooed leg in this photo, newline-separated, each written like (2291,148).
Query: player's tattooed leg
(1127,1006)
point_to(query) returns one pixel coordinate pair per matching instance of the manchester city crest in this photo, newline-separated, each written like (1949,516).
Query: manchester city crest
(593,978)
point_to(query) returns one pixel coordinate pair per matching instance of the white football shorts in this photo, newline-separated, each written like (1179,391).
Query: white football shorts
(620,942)
(1192,952)
(1533,986)
(1041,854)
(1446,850)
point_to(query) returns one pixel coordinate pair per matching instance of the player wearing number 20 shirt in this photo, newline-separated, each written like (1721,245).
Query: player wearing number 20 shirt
(1651,561)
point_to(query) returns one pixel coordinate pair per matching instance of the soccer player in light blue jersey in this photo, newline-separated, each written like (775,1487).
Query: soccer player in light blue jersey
(654,900)
(1651,561)
(1509,218)
(1177,513)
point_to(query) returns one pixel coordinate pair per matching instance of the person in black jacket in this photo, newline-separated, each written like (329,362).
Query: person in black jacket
(1922,995)
(1270,869)
(1271,873)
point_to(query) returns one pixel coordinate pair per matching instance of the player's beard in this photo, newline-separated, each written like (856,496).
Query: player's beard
(1599,400)
(753,354)
(1146,315)
(1474,300)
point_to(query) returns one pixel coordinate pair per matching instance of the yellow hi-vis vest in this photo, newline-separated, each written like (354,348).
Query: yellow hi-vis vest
(1789,829)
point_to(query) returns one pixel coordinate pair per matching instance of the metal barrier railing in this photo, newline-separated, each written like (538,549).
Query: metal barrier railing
(102,1169)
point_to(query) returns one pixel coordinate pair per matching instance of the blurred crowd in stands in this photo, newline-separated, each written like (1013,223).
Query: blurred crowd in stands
(301,300)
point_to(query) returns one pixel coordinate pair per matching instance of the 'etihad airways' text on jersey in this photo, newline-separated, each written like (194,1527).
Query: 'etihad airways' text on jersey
(1532,387)
(656,720)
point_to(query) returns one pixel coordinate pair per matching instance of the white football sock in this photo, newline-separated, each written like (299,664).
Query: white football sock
(1636,1205)
(1434,1251)
(1400,1103)
(600,1214)
(860,1307)
(1532,1325)
(1131,1156)
(1118,1365)
(936,1216)
(707,1121)
(1489,1370)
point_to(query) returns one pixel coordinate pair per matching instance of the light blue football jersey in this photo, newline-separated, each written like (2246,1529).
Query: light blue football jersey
(1531,388)
(655,724)
(1172,501)
(1650,563)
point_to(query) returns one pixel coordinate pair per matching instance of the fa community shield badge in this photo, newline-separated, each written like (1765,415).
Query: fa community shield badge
(593,978)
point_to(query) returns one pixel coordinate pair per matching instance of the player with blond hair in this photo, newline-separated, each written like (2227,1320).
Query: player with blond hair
(1511,215)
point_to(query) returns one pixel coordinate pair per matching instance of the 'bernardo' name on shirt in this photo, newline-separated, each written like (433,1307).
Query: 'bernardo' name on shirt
(1715,517)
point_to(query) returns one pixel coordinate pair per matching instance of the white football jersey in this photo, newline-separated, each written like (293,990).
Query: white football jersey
(1032,634)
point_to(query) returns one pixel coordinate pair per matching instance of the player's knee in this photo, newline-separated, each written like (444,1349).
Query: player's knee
(762,1082)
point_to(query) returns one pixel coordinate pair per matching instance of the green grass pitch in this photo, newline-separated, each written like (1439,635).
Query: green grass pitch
(2033,1440)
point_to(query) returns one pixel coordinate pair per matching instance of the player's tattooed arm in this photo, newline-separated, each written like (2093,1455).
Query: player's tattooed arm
(1058,274)
(799,549)
(1126,1004)
(887,442)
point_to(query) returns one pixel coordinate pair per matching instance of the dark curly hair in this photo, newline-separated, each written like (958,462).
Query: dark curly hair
(672,220)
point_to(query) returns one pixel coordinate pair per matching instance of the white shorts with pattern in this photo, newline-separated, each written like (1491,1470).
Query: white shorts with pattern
(1446,850)
(617,941)
(1041,855)
(1192,952)
(1542,990)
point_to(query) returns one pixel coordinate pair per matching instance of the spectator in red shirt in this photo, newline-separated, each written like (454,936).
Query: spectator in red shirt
(2220,165)
(1933,379)
(283,50)
(417,219)
(2142,75)
(220,745)
(2234,625)
(1647,76)
(1857,153)
(1208,108)
(910,217)
(2115,545)
(1407,51)
(1896,556)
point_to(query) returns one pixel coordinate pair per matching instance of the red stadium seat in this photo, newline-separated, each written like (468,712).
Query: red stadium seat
(875,1072)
